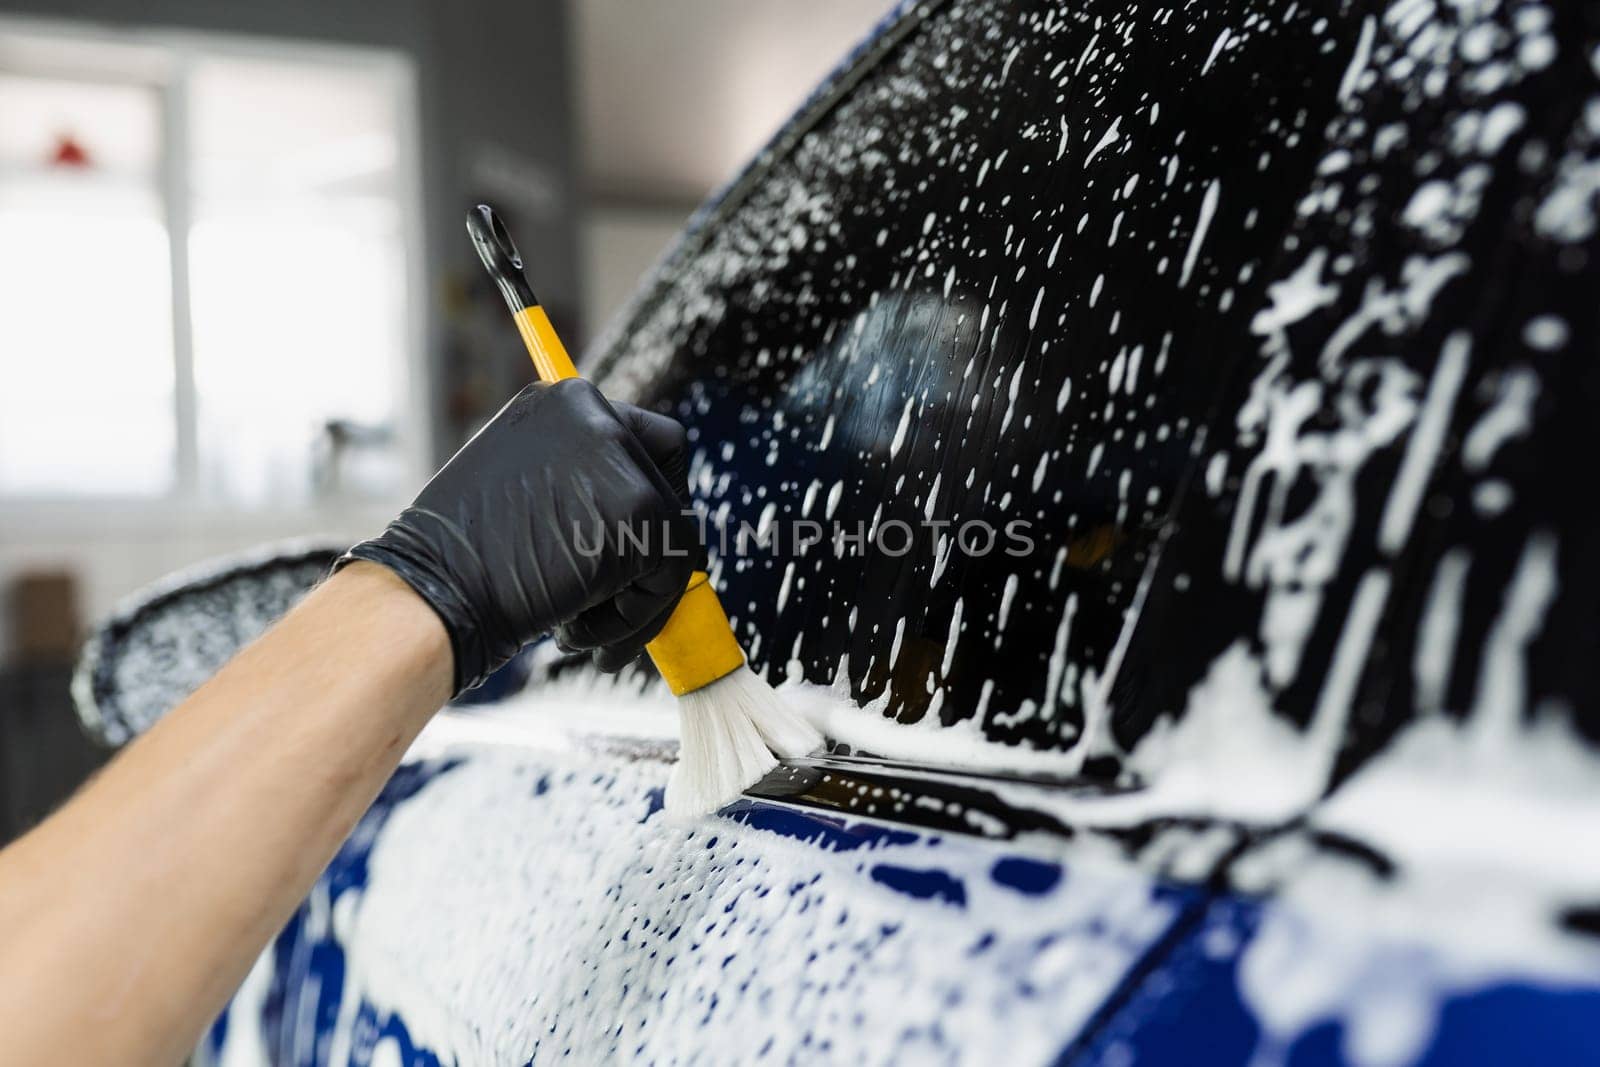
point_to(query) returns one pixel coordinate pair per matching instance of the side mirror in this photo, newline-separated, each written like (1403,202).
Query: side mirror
(160,645)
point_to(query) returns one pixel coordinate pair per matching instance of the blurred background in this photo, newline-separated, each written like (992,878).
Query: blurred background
(237,303)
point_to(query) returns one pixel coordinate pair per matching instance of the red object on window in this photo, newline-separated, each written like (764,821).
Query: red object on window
(69,153)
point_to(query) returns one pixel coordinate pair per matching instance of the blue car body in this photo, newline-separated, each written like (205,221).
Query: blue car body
(543,910)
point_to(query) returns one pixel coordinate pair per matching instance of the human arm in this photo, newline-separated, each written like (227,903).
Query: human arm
(128,917)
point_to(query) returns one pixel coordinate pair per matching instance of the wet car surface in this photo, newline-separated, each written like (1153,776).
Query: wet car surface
(1273,326)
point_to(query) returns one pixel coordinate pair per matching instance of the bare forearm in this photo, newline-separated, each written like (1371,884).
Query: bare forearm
(128,918)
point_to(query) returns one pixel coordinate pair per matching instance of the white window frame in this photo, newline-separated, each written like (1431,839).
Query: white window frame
(162,60)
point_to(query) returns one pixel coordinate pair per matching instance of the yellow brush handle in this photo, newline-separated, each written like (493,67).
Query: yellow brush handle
(549,354)
(697,646)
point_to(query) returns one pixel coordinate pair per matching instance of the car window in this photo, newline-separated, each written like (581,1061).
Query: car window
(977,314)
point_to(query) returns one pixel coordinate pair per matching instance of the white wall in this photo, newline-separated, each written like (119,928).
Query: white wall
(619,246)
(674,95)
(671,100)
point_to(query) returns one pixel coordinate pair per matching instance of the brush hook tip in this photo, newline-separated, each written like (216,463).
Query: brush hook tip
(500,256)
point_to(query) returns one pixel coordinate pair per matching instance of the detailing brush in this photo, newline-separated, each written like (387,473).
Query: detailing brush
(734,726)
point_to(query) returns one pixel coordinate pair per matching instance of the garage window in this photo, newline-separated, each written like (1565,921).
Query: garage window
(208,244)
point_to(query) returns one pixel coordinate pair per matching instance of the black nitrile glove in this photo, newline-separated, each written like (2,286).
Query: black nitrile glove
(564,511)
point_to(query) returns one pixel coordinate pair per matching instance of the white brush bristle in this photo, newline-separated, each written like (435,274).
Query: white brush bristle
(730,732)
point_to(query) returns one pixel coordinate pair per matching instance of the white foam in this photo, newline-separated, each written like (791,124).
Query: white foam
(569,920)
(898,441)
(1208,209)
(1426,440)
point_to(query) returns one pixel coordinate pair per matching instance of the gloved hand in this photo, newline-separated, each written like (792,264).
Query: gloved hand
(565,512)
